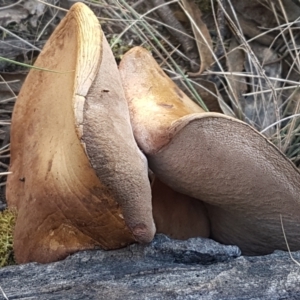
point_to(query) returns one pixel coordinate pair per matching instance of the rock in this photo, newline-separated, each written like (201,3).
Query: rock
(165,269)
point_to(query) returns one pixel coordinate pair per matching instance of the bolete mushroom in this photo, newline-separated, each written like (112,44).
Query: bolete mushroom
(246,183)
(78,179)
(178,215)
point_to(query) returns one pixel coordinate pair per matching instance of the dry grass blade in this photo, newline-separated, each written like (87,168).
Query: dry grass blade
(287,244)
(52,5)
(235,62)
(252,58)
(174,26)
(32,67)
(202,36)
(17,37)
(3,294)
(157,44)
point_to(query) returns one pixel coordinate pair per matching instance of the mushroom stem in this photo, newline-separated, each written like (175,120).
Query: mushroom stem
(245,182)
(177,215)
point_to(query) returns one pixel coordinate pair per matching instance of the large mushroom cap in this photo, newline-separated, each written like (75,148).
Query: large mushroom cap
(78,178)
(245,181)
(150,92)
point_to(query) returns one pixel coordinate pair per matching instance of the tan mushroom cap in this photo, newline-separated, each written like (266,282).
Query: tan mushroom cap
(78,178)
(150,92)
(244,180)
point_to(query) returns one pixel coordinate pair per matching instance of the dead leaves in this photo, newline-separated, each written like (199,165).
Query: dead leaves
(202,36)
(248,69)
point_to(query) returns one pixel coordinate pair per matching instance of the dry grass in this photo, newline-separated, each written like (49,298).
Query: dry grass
(129,24)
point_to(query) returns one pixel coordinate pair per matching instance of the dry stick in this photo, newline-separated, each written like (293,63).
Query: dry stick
(144,37)
(96,3)
(8,86)
(221,30)
(290,32)
(156,34)
(178,52)
(8,100)
(3,164)
(267,91)
(204,45)
(145,18)
(48,23)
(166,14)
(285,149)
(290,131)
(254,76)
(51,5)
(5,141)
(137,19)
(3,294)
(136,4)
(136,29)
(280,58)
(238,30)
(4,149)
(288,75)
(5,173)
(17,37)
(279,121)
(11,5)
(203,37)
(289,51)
(287,244)
(112,12)
(288,26)
(164,59)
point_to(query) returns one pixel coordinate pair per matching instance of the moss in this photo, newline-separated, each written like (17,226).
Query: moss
(7,222)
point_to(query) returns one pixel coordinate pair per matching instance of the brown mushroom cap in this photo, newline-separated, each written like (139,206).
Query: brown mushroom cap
(245,181)
(150,92)
(78,178)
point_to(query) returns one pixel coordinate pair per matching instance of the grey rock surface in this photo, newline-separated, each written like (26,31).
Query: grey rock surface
(165,269)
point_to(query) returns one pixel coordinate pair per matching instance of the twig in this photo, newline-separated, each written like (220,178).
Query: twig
(287,244)
(3,293)
(279,121)
(10,5)
(17,37)
(166,14)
